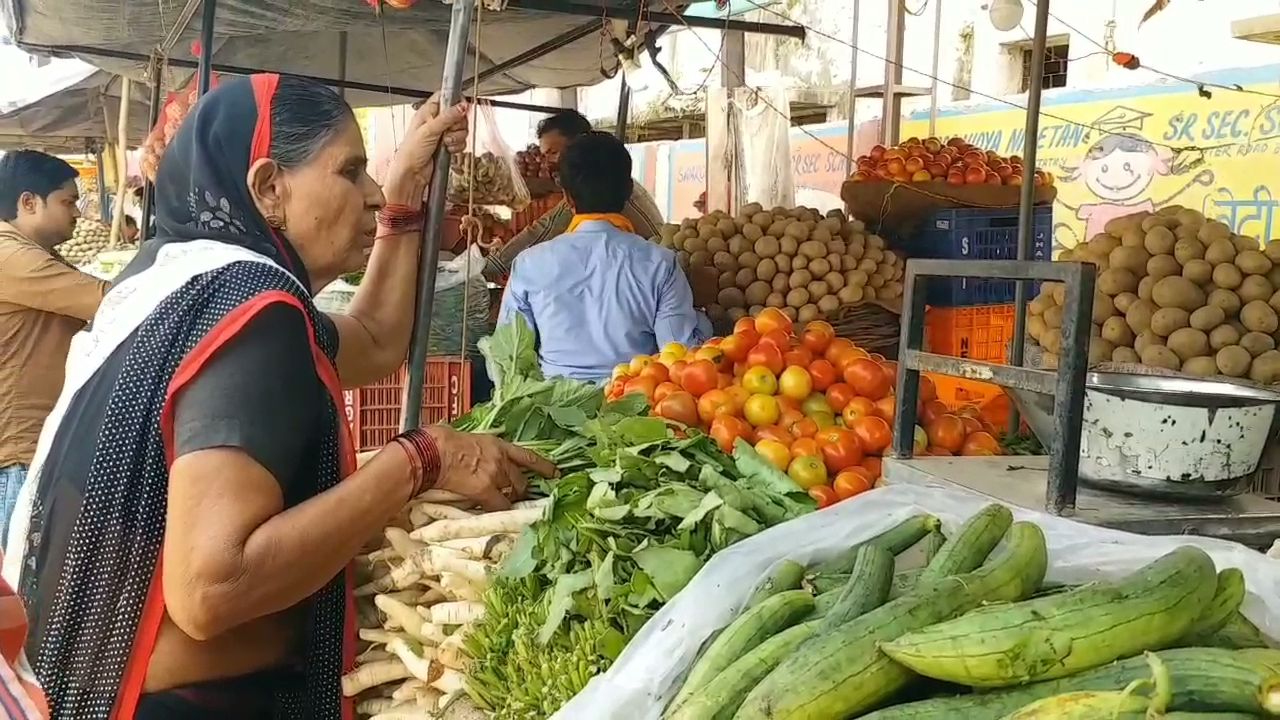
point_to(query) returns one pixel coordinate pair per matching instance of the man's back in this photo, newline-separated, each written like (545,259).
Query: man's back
(599,296)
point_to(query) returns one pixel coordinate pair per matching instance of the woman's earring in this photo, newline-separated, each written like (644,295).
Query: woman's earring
(275,221)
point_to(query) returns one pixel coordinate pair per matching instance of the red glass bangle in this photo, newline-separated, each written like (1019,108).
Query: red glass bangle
(394,219)
(424,455)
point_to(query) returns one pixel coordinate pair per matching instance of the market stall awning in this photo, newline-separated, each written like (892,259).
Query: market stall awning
(65,108)
(400,48)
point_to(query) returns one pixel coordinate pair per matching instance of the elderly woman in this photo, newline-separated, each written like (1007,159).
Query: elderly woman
(194,503)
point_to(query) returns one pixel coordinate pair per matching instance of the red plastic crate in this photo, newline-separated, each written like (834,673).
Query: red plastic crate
(981,332)
(374,410)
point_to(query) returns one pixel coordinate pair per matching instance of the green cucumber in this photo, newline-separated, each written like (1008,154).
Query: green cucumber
(752,627)
(823,584)
(842,673)
(720,698)
(896,540)
(1227,597)
(786,575)
(1064,634)
(1204,680)
(1237,634)
(970,546)
(866,589)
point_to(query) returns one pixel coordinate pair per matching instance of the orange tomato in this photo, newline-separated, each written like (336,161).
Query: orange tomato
(699,377)
(806,428)
(971,425)
(887,407)
(679,406)
(968,410)
(676,371)
(643,385)
(798,356)
(745,324)
(931,410)
(735,347)
(854,481)
(768,355)
(842,451)
(723,381)
(713,404)
(657,371)
(831,434)
(873,465)
(640,362)
(773,319)
(877,357)
(824,495)
(791,415)
(839,396)
(936,451)
(946,432)
(823,374)
(739,395)
(805,446)
(928,390)
(787,403)
(774,432)
(890,370)
(712,353)
(661,392)
(867,377)
(777,338)
(980,443)
(807,470)
(873,433)
(817,335)
(727,429)
(837,349)
(777,453)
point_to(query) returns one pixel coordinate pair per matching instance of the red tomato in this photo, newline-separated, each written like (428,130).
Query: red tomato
(736,347)
(980,443)
(679,406)
(642,385)
(824,495)
(851,482)
(774,432)
(890,369)
(887,407)
(777,338)
(873,433)
(843,453)
(767,355)
(773,319)
(823,374)
(817,336)
(873,465)
(661,392)
(840,395)
(857,407)
(928,391)
(805,447)
(867,377)
(657,371)
(726,429)
(805,428)
(676,371)
(931,410)
(699,377)
(946,432)
(837,350)
(797,356)
(715,403)
(746,327)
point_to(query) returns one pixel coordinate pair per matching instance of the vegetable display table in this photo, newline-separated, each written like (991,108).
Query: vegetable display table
(1020,481)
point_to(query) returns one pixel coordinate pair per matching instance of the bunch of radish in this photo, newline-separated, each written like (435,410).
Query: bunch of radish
(422,588)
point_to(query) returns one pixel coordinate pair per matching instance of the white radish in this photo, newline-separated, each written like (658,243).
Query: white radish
(436,561)
(451,653)
(415,657)
(408,711)
(424,513)
(373,706)
(403,615)
(378,635)
(373,675)
(487,547)
(508,521)
(457,587)
(409,690)
(400,541)
(449,682)
(456,613)
(377,557)
(373,655)
(401,577)
(435,634)
(532,504)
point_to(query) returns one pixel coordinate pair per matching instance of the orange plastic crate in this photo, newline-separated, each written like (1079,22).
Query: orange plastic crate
(374,410)
(536,209)
(981,332)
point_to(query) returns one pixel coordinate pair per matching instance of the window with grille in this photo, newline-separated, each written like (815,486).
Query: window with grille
(1055,66)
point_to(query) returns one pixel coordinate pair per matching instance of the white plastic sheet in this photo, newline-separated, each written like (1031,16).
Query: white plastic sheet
(749,130)
(644,678)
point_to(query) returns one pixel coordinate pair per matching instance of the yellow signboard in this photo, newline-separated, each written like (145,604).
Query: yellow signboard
(1123,150)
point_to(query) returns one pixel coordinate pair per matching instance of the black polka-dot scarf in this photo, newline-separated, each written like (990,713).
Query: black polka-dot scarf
(96,523)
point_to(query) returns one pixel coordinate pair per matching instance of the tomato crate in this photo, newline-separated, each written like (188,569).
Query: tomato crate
(373,411)
(981,332)
(976,234)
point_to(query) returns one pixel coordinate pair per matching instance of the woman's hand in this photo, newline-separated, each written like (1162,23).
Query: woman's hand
(414,162)
(484,468)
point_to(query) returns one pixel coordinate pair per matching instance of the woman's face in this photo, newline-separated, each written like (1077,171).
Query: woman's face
(328,207)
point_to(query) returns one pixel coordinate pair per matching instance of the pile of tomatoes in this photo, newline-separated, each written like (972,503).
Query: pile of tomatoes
(816,406)
(931,160)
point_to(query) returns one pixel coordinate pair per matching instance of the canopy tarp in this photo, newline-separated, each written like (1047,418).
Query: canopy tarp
(64,108)
(402,48)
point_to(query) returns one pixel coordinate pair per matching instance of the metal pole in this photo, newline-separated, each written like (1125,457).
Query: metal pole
(891,110)
(149,190)
(592,10)
(624,107)
(342,63)
(933,83)
(433,228)
(853,92)
(204,75)
(1026,207)
(102,188)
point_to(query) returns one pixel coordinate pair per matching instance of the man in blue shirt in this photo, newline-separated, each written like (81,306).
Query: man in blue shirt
(599,294)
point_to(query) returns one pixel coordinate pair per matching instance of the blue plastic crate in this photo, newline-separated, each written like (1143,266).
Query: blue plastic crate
(976,234)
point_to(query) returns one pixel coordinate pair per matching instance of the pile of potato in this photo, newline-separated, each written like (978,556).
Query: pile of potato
(1175,291)
(89,238)
(794,259)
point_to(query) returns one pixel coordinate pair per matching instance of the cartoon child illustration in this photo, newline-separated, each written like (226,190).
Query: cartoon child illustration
(1118,170)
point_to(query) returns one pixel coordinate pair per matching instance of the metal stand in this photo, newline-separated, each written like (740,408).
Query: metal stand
(433,228)
(204,73)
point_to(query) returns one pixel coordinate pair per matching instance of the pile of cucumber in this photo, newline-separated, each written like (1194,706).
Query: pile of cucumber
(851,638)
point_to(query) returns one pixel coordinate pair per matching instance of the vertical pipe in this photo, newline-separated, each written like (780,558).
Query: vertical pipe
(1068,405)
(102,188)
(204,73)
(891,110)
(153,117)
(1026,208)
(122,161)
(853,93)
(910,338)
(433,227)
(624,107)
(933,83)
(342,63)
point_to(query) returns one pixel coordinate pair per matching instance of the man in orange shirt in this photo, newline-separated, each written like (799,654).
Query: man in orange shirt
(44,301)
